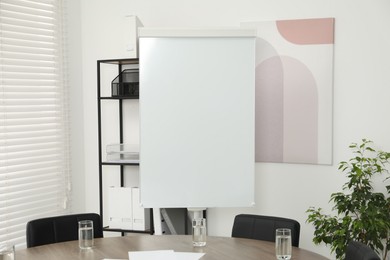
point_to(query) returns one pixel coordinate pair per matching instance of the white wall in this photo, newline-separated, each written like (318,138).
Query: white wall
(361,91)
(76,104)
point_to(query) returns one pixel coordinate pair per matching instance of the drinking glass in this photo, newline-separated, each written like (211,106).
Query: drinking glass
(199,232)
(283,245)
(7,251)
(86,234)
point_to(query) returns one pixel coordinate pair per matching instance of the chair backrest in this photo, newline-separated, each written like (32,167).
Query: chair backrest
(59,228)
(263,227)
(359,251)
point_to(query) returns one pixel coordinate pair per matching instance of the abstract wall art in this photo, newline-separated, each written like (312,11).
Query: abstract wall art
(294,90)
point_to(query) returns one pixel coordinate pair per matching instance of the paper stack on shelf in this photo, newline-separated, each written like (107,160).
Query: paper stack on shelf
(123,153)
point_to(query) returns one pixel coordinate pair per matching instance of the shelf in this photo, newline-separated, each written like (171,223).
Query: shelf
(120,163)
(128,230)
(116,98)
(104,163)
(120,61)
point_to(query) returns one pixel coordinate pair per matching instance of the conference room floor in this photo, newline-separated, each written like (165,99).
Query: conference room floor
(217,248)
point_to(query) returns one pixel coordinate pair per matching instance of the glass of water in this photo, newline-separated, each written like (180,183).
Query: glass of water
(283,245)
(86,234)
(7,251)
(199,232)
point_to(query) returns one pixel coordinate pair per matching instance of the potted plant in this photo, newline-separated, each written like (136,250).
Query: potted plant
(361,213)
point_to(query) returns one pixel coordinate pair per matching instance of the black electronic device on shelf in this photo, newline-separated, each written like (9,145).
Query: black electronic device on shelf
(126,84)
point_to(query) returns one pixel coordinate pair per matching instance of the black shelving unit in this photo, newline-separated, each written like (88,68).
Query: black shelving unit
(119,63)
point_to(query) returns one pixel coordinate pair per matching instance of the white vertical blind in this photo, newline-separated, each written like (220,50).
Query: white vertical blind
(34,135)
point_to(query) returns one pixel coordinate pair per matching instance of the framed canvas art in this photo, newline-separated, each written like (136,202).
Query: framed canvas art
(294,90)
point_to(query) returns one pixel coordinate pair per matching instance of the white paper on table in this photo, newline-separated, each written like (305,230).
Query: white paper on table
(152,255)
(164,255)
(188,256)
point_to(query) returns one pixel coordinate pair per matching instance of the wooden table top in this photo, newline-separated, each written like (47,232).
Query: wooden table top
(217,248)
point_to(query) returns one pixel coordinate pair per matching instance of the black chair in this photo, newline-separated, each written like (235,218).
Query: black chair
(359,251)
(59,228)
(263,227)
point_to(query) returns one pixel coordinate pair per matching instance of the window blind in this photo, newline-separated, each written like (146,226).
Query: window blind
(34,134)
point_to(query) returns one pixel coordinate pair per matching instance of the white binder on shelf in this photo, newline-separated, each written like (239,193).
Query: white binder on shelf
(120,207)
(125,211)
(141,216)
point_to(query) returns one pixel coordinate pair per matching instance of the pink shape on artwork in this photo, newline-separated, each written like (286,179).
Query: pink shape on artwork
(269,111)
(300,114)
(286,112)
(307,31)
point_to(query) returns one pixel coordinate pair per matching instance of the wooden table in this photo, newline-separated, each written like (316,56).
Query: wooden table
(217,248)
